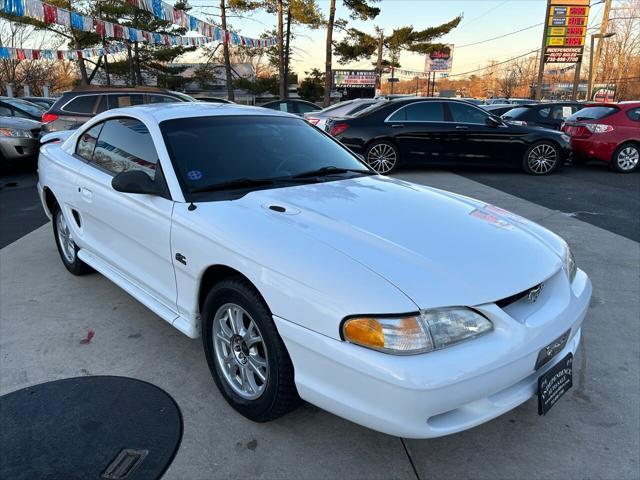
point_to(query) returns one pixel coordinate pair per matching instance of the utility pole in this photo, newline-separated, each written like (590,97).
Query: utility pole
(603,29)
(542,49)
(576,81)
(379,63)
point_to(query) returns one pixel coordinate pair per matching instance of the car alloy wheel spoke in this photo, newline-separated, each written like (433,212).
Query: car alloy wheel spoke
(542,158)
(240,351)
(67,245)
(382,158)
(628,158)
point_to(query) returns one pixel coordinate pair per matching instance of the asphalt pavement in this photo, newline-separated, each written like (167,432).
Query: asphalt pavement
(593,432)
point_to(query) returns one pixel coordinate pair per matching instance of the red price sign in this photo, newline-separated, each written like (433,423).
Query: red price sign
(575,31)
(578,11)
(577,21)
(573,41)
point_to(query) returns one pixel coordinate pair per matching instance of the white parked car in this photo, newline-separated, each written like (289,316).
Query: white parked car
(340,109)
(407,309)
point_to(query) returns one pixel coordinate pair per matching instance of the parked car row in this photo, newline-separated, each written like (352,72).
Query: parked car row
(391,131)
(434,131)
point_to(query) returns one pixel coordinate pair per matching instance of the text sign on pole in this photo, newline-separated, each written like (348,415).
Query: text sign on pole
(566,29)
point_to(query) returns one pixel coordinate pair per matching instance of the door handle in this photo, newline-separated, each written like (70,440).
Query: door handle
(461,127)
(86,193)
(397,126)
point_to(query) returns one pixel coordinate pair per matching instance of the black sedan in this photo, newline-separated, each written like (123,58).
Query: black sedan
(434,131)
(547,115)
(16,107)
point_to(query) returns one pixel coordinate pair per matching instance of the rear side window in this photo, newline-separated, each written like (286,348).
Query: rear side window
(305,108)
(125,144)
(161,99)
(544,112)
(467,114)
(420,112)
(634,114)
(83,104)
(592,113)
(87,142)
(125,100)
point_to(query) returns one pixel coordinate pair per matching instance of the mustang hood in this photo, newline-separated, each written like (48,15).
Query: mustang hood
(438,248)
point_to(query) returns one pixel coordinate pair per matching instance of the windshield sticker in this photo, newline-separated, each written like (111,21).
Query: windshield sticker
(194,175)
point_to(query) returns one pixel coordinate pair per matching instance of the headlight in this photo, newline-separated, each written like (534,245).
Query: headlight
(419,333)
(566,138)
(14,132)
(572,268)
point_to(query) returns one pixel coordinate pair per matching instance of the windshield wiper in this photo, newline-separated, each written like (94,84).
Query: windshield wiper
(330,170)
(233,184)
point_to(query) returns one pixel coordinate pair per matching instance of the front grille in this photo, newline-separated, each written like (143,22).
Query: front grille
(505,302)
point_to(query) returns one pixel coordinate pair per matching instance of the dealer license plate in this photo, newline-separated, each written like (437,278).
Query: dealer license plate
(554,383)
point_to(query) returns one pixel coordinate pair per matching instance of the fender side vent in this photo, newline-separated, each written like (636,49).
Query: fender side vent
(76,217)
(277,208)
(124,465)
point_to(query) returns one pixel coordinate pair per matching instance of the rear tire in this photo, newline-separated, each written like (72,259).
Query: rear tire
(626,158)
(383,156)
(249,362)
(67,248)
(541,158)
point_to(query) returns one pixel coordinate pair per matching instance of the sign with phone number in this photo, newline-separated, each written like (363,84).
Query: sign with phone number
(566,30)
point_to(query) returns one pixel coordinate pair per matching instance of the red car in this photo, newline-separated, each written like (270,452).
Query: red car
(609,132)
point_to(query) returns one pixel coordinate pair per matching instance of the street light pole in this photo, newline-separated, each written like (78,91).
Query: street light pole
(592,67)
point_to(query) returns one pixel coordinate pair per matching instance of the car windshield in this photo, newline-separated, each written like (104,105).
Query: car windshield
(31,108)
(218,150)
(592,113)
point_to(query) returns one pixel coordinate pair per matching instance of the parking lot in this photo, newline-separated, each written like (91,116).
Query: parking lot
(593,432)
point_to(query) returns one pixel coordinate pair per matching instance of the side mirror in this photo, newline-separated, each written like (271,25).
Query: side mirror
(493,121)
(134,181)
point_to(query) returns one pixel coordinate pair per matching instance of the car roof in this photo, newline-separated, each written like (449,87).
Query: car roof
(169,111)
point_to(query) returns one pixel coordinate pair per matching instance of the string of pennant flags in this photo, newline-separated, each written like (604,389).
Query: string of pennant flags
(48,54)
(50,14)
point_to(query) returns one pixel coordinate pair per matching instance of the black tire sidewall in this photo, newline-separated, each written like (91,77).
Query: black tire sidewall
(614,160)
(383,142)
(237,292)
(525,160)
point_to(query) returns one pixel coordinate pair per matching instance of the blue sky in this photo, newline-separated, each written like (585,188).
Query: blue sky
(483,19)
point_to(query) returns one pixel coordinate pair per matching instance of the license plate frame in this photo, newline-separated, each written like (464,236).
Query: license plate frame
(554,383)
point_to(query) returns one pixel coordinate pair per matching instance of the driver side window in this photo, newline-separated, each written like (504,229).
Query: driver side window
(125,144)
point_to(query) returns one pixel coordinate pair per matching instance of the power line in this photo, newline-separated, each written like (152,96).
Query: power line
(501,36)
(495,64)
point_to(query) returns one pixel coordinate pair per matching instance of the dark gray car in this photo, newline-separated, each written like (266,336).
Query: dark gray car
(19,140)
(74,108)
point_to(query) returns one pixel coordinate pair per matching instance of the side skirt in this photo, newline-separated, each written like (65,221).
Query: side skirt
(183,324)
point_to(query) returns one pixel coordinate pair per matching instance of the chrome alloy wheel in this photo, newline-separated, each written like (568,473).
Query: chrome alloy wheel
(241,352)
(382,158)
(67,245)
(542,158)
(628,158)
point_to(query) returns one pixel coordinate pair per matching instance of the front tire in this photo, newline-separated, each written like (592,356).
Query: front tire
(67,247)
(246,356)
(382,156)
(626,158)
(541,158)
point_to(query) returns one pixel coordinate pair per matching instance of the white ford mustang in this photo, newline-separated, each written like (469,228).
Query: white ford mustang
(409,310)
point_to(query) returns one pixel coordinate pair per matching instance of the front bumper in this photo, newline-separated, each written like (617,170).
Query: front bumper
(17,149)
(441,392)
